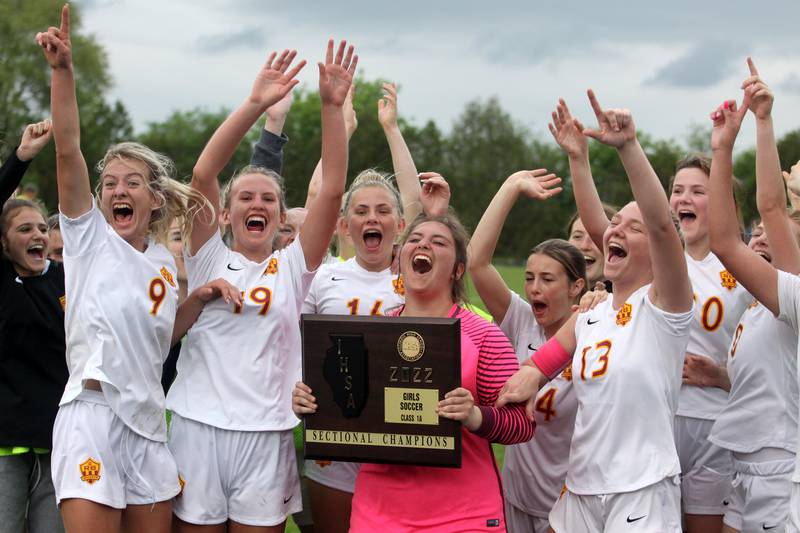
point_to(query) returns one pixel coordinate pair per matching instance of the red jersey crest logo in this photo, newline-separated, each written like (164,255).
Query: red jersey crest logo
(272,267)
(399,285)
(167,275)
(90,471)
(624,314)
(728,281)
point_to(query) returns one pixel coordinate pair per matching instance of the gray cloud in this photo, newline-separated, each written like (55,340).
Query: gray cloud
(252,38)
(704,65)
(791,84)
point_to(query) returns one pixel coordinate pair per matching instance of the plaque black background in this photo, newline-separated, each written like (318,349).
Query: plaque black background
(442,338)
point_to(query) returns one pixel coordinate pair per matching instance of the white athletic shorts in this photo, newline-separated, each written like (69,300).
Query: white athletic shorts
(793,525)
(518,521)
(334,474)
(652,509)
(706,469)
(759,500)
(97,457)
(249,477)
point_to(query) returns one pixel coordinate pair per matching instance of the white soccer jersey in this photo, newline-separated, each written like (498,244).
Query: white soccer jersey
(120,312)
(720,301)
(345,288)
(534,472)
(626,373)
(762,367)
(238,365)
(789,302)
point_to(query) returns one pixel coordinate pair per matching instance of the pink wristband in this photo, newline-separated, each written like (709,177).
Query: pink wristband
(551,358)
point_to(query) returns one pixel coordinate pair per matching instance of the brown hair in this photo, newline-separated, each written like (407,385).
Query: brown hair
(10,208)
(609,210)
(460,241)
(568,256)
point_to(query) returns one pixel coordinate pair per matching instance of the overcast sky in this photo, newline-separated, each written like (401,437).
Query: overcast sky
(669,62)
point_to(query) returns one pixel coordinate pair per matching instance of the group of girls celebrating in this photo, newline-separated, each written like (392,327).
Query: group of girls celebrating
(653,352)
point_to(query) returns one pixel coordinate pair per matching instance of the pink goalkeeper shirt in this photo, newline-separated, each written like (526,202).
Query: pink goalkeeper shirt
(391,498)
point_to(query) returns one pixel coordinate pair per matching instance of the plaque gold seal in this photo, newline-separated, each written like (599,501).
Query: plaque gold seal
(411,346)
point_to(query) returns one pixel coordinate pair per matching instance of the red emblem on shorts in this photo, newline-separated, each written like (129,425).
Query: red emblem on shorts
(90,471)
(728,281)
(624,314)
(63,301)
(323,464)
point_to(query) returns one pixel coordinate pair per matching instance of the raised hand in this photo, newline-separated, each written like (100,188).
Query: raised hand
(279,110)
(757,95)
(35,137)
(727,120)
(568,131)
(275,80)
(435,194)
(336,74)
(56,44)
(792,178)
(350,118)
(537,184)
(387,106)
(616,126)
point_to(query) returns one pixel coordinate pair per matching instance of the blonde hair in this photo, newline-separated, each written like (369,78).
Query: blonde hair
(176,199)
(372,178)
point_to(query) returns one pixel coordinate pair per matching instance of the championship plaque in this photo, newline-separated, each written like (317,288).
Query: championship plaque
(377,381)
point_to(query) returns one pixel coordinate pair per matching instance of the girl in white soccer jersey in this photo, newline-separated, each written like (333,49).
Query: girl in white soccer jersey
(232,420)
(626,357)
(362,285)
(110,461)
(555,278)
(707,470)
(759,497)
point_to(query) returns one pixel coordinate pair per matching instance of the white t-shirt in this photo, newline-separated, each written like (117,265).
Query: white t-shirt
(534,472)
(345,288)
(789,303)
(626,373)
(238,366)
(120,313)
(763,401)
(720,301)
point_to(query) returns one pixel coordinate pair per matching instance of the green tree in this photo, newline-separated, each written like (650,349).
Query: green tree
(25,87)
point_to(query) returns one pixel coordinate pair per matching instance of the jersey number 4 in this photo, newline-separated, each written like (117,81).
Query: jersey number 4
(546,405)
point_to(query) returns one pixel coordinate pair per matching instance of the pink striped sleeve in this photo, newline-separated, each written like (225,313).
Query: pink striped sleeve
(496,363)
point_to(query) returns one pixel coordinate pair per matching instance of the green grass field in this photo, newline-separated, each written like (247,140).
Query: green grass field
(515,278)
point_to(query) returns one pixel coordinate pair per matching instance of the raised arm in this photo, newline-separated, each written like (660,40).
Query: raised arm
(491,287)
(568,133)
(34,138)
(335,78)
(274,80)
(74,189)
(770,192)
(268,151)
(757,276)
(350,126)
(404,169)
(671,289)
